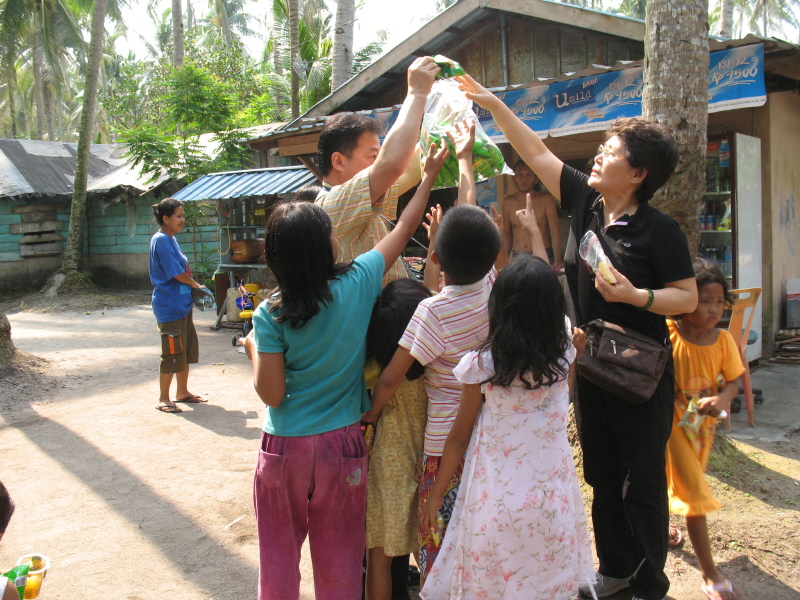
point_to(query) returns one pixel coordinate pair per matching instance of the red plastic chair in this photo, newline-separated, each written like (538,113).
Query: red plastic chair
(739,328)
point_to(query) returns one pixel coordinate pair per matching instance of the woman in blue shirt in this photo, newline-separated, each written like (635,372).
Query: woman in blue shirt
(172,305)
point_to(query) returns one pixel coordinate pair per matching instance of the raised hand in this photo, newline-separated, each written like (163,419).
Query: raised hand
(464,138)
(434,219)
(421,75)
(434,160)
(477,93)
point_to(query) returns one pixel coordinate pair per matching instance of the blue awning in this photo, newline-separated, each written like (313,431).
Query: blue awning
(242,184)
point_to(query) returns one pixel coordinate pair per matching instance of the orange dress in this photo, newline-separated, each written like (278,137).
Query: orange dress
(700,372)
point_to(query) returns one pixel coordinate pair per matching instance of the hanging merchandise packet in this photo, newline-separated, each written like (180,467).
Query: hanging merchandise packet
(446,106)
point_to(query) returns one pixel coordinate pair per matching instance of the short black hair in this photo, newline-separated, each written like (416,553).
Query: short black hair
(467,244)
(390,316)
(6,508)
(648,145)
(165,208)
(341,133)
(707,271)
(307,193)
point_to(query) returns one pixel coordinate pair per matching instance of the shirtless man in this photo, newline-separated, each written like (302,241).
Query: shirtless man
(515,238)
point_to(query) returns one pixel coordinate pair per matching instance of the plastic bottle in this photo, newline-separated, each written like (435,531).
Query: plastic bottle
(728,270)
(724,154)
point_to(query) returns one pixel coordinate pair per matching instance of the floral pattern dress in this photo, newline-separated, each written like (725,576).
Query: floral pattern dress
(518,529)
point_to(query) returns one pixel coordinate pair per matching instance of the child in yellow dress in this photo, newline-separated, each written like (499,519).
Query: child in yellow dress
(707,366)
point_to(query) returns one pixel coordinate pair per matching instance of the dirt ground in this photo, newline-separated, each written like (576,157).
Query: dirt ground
(135,504)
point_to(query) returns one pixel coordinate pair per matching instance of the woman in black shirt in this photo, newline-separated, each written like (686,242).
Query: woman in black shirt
(623,443)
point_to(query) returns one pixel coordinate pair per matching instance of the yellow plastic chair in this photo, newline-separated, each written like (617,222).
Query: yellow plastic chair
(739,328)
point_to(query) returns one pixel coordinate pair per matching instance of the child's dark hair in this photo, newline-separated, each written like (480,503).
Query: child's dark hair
(307,193)
(300,255)
(467,244)
(390,316)
(6,508)
(707,271)
(527,335)
(165,208)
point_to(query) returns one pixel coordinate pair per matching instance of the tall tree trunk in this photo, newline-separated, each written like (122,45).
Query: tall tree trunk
(676,94)
(38,67)
(11,82)
(47,95)
(224,23)
(189,16)
(177,34)
(294,54)
(726,19)
(343,43)
(73,255)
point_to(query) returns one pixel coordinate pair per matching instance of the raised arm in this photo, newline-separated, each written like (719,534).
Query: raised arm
(528,145)
(464,140)
(551,210)
(401,141)
(392,245)
(527,218)
(432,269)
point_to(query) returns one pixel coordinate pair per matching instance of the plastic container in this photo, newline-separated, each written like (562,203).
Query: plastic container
(233,310)
(39,566)
(793,313)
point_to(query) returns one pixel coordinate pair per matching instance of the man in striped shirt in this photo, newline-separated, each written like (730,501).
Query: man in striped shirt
(363,179)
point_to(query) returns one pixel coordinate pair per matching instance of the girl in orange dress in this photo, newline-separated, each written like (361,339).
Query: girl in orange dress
(707,366)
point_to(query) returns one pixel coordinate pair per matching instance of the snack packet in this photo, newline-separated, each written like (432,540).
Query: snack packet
(450,68)
(592,252)
(446,106)
(437,535)
(19,576)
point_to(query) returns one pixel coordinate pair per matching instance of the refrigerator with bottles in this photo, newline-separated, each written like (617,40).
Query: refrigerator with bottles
(730,215)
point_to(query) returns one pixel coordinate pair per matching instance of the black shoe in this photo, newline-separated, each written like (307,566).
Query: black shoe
(413,576)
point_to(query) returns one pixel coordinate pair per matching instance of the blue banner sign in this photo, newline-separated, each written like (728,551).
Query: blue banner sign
(736,78)
(529,104)
(591,103)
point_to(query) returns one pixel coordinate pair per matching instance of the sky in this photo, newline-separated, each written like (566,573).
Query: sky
(372,16)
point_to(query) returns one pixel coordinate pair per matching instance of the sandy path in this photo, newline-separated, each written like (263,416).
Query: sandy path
(129,502)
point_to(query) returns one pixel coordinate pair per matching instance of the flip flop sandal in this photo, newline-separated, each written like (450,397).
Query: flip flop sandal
(714,591)
(675,537)
(194,399)
(169,409)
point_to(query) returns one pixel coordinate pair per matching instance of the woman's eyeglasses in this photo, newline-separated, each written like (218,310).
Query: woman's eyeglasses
(607,152)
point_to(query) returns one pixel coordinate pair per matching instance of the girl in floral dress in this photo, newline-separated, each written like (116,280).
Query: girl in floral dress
(518,529)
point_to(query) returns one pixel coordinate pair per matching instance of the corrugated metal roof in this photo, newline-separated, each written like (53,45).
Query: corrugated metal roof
(241,184)
(34,168)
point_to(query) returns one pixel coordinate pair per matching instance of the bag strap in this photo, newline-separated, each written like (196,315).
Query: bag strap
(585,278)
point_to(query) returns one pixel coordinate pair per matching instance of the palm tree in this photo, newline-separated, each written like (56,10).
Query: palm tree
(343,42)
(73,254)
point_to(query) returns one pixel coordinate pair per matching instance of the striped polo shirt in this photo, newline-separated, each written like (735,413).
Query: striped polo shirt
(443,329)
(357,223)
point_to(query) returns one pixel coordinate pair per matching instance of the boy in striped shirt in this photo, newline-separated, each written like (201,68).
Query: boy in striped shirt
(443,329)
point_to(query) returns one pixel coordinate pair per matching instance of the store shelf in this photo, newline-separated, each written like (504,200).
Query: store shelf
(720,194)
(715,231)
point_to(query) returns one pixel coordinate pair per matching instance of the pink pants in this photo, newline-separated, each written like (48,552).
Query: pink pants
(312,485)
